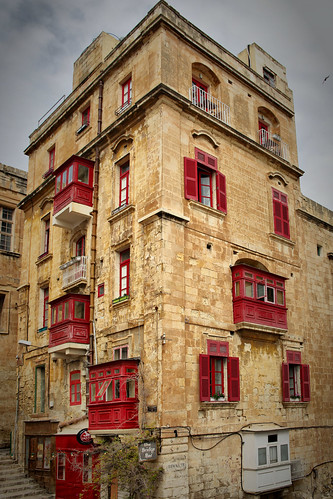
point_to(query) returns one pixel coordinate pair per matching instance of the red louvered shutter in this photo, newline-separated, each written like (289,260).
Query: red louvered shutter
(277,217)
(204,375)
(191,179)
(218,348)
(233,379)
(285,382)
(221,192)
(285,221)
(205,159)
(281,214)
(294,357)
(305,382)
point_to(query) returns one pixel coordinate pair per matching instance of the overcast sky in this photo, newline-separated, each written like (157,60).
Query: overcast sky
(41,39)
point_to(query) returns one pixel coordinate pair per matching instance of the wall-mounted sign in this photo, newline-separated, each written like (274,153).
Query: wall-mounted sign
(84,437)
(147,451)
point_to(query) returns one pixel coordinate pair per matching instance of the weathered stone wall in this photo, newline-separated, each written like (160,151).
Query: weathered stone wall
(13,183)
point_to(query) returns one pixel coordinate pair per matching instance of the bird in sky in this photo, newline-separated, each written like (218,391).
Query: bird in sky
(326,77)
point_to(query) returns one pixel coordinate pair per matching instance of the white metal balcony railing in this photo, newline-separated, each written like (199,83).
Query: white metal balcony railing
(73,271)
(123,108)
(274,144)
(210,104)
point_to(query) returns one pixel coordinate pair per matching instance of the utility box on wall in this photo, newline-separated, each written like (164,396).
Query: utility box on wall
(266,462)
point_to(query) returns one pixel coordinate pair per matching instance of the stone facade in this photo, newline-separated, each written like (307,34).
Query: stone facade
(181,253)
(13,183)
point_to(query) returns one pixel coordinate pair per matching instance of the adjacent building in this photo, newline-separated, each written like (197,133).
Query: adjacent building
(13,188)
(174,277)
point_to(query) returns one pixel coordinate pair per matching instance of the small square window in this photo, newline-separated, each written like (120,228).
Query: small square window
(100,290)
(319,250)
(86,116)
(269,77)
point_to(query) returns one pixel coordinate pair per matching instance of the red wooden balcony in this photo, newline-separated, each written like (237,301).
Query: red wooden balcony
(258,297)
(113,395)
(73,196)
(69,330)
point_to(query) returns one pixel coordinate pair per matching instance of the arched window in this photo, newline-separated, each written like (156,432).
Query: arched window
(80,247)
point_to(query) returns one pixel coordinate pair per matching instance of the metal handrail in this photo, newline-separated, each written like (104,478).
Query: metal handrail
(73,271)
(209,104)
(274,144)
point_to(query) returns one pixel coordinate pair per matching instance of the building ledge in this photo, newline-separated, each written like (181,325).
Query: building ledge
(163,213)
(43,258)
(120,212)
(206,209)
(282,239)
(260,331)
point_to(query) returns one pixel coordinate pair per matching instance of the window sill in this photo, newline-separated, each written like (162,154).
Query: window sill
(282,239)
(218,405)
(48,173)
(207,209)
(82,131)
(295,403)
(120,212)
(43,258)
(10,253)
(120,300)
(42,329)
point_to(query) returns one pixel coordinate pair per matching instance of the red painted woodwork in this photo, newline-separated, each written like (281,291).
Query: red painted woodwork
(69,329)
(73,479)
(203,164)
(204,374)
(117,408)
(233,379)
(305,382)
(256,309)
(218,349)
(281,214)
(68,186)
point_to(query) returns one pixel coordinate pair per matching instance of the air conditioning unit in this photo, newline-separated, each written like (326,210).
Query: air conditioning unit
(297,471)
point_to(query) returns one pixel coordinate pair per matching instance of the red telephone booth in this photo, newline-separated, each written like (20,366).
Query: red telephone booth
(75,469)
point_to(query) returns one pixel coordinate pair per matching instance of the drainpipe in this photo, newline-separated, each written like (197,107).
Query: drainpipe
(93,350)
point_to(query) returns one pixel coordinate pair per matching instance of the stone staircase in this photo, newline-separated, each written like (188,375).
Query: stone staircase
(14,484)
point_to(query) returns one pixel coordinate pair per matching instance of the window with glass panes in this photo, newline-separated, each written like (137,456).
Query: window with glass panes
(124,272)
(6,229)
(75,388)
(127,92)
(123,184)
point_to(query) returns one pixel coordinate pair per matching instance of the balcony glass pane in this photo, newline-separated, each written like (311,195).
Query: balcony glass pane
(92,392)
(130,388)
(270,295)
(249,289)
(279,297)
(83,174)
(60,313)
(109,392)
(78,310)
(66,310)
(237,288)
(273,454)
(58,183)
(117,389)
(70,174)
(262,456)
(284,452)
(260,291)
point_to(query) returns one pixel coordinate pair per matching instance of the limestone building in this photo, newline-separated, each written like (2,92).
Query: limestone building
(13,188)
(176,277)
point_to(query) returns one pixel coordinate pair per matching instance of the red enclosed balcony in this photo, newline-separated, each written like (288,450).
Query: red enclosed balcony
(113,395)
(258,298)
(73,198)
(69,330)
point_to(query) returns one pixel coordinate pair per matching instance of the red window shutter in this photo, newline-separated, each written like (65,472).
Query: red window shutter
(277,217)
(205,159)
(218,348)
(221,192)
(293,357)
(233,379)
(191,179)
(281,214)
(285,221)
(305,382)
(285,382)
(204,375)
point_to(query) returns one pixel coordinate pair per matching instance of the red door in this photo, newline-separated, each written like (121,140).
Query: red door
(199,94)
(74,470)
